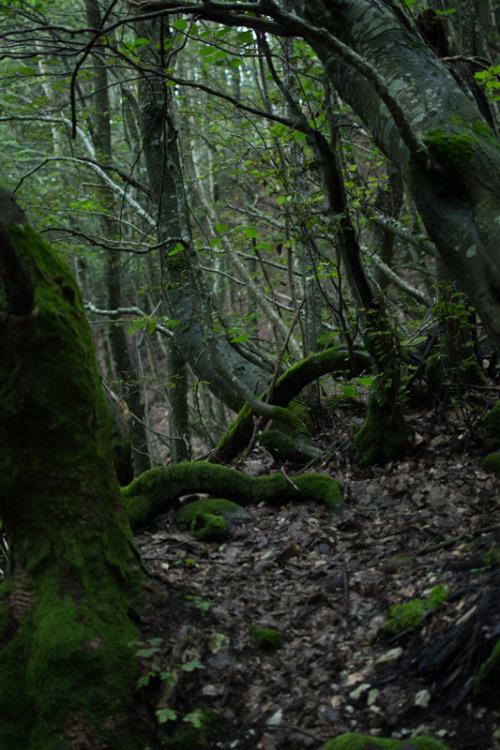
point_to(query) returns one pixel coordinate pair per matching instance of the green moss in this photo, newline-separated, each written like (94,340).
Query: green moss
(383,435)
(452,150)
(73,571)
(405,617)
(434,378)
(287,387)
(210,528)
(266,638)
(215,506)
(237,436)
(321,488)
(408,617)
(491,558)
(491,425)
(491,463)
(437,596)
(157,490)
(484,132)
(285,447)
(353,741)
(489,672)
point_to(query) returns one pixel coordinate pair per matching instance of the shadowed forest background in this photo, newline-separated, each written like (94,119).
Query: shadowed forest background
(249,256)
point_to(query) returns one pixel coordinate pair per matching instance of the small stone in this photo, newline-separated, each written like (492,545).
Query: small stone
(422,729)
(357,692)
(389,658)
(276,718)
(372,696)
(422,699)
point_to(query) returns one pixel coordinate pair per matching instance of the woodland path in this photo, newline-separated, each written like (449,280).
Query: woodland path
(325,581)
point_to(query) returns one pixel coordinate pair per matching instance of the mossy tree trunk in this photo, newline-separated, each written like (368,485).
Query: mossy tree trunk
(67,673)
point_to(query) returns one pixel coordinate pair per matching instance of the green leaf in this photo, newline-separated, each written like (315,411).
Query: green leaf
(240,339)
(143,681)
(366,381)
(350,391)
(221,227)
(180,25)
(190,666)
(141,42)
(168,678)
(235,62)
(251,233)
(245,37)
(193,719)
(165,714)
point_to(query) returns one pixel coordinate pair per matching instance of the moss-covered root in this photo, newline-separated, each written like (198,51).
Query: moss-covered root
(155,491)
(354,741)
(383,436)
(287,387)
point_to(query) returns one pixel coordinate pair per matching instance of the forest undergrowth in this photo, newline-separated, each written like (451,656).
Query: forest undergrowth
(408,531)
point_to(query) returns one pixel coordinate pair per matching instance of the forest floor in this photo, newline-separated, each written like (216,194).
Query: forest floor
(325,580)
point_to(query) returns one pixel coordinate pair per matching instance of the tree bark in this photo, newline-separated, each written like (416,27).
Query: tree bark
(407,97)
(128,382)
(187,296)
(456,190)
(67,673)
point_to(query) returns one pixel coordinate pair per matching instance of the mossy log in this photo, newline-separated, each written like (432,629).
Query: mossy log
(157,490)
(287,387)
(67,673)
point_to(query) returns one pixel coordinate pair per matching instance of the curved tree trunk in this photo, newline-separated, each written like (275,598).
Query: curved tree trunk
(456,186)
(187,296)
(67,673)
(421,114)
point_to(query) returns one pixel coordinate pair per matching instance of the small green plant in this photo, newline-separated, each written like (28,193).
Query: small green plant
(200,603)
(491,558)
(194,737)
(408,617)
(405,617)
(437,597)
(149,649)
(266,638)
(489,80)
